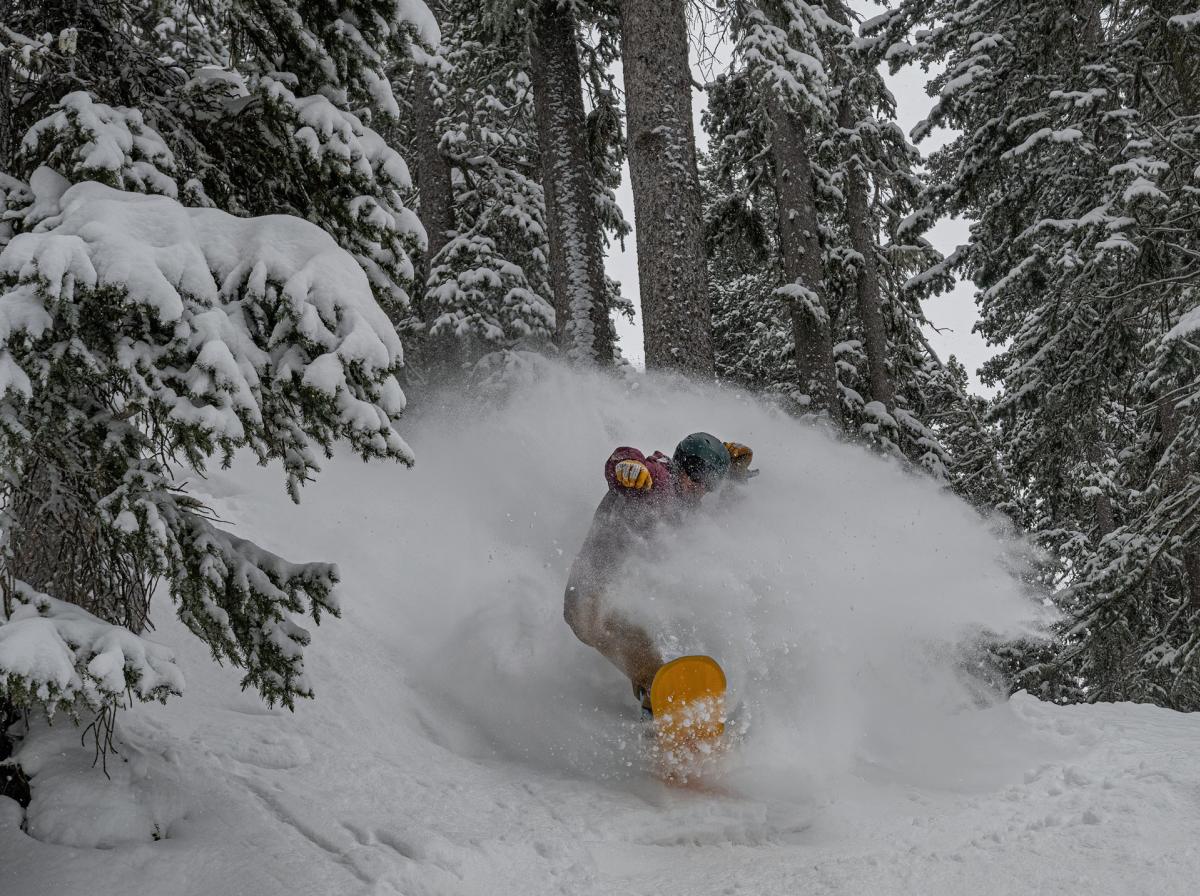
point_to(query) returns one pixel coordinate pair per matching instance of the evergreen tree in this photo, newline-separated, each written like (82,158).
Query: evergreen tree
(760,116)
(435,188)
(499,264)
(1077,157)
(879,259)
(752,336)
(145,327)
(784,83)
(490,283)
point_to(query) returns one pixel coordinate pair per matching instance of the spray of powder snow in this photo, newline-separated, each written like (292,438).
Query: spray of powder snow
(836,589)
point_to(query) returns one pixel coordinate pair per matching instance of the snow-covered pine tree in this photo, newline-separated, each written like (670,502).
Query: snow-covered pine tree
(973,177)
(959,420)
(875,224)
(860,131)
(858,153)
(435,189)
(316,75)
(489,286)
(140,334)
(760,118)
(1078,157)
(752,335)
(492,284)
(1140,597)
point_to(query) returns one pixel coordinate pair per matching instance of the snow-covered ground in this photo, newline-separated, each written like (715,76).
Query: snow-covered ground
(463,742)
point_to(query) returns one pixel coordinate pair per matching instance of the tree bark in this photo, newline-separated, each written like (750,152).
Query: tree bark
(8,134)
(435,191)
(441,355)
(584,330)
(1177,479)
(1102,504)
(676,314)
(802,265)
(862,240)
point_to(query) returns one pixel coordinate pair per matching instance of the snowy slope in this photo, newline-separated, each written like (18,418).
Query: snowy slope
(462,742)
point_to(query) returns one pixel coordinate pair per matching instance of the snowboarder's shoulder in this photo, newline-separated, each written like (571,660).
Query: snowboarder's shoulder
(625,452)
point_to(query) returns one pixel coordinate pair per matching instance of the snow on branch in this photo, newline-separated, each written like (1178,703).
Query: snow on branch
(788,60)
(60,655)
(231,326)
(110,144)
(240,599)
(804,299)
(1185,21)
(1044,135)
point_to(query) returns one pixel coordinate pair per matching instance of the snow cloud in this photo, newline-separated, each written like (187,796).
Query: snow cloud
(839,591)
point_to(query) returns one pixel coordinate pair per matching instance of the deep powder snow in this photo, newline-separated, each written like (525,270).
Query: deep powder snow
(462,741)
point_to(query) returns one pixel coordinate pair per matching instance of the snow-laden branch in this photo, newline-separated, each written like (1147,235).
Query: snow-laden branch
(228,325)
(60,655)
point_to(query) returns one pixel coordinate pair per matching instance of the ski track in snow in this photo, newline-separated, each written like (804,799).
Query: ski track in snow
(471,746)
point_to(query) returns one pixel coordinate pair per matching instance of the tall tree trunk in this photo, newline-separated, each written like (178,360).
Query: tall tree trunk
(8,136)
(801,250)
(1185,68)
(862,240)
(584,330)
(1177,478)
(676,315)
(435,191)
(435,208)
(1102,503)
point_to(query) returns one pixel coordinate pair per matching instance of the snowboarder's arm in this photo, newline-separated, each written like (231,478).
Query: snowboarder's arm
(741,457)
(629,471)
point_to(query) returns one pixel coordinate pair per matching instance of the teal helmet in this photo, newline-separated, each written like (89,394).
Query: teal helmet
(703,457)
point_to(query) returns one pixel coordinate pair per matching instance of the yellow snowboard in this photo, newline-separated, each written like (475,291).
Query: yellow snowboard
(687,699)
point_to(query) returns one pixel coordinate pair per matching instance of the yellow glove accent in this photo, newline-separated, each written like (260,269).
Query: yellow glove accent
(633,474)
(740,454)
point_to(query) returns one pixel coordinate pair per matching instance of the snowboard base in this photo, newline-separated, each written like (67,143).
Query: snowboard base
(687,699)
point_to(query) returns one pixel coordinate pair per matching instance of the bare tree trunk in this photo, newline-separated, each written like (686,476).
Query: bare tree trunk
(801,250)
(442,354)
(666,186)
(8,136)
(436,194)
(862,240)
(1177,479)
(584,330)
(1102,504)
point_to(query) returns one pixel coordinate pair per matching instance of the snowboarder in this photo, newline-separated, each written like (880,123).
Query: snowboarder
(643,492)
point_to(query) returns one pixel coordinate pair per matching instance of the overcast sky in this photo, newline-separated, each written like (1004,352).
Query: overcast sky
(952,314)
